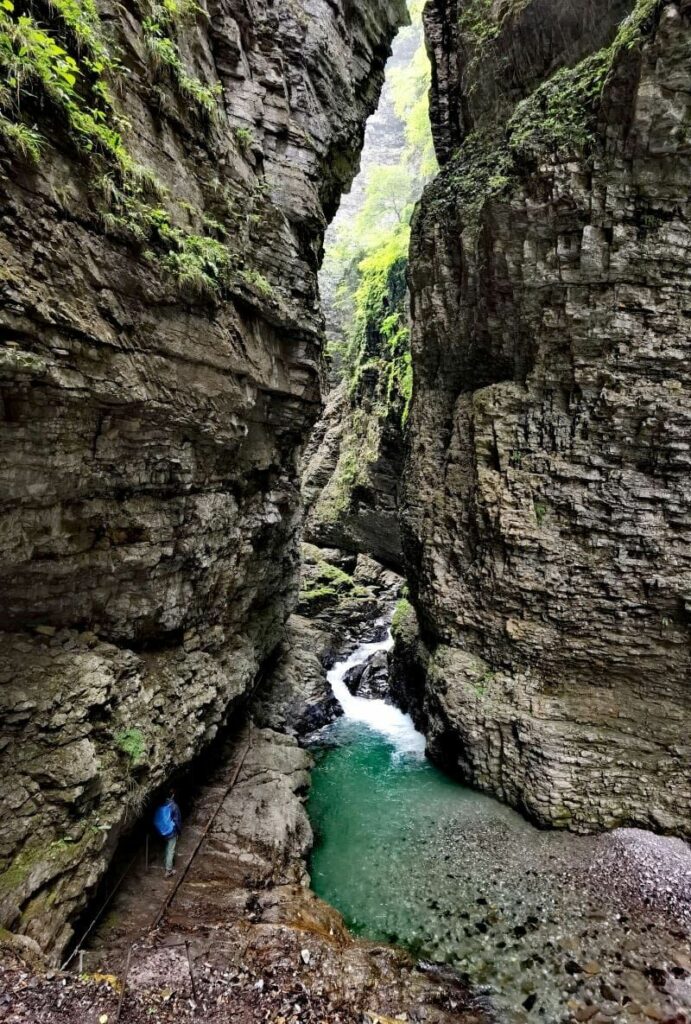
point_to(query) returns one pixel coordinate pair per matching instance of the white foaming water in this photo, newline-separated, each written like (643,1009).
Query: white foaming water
(381,717)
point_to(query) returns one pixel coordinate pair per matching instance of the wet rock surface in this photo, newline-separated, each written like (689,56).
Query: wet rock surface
(346,597)
(371,679)
(297,698)
(343,598)
(546,514)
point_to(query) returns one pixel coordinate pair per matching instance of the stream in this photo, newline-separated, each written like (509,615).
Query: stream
(553,926)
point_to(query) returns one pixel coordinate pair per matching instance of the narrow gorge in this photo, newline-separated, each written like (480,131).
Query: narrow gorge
(345,371)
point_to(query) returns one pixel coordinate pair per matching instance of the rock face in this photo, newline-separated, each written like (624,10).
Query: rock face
(297,698)
(354,458)
(344,601)
(347,597)
(352,471)
(159,371)
(370,679)
(546,511)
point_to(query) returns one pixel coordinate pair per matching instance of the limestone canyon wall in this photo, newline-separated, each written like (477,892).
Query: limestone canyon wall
(159,371)
(547,507)
(354,458)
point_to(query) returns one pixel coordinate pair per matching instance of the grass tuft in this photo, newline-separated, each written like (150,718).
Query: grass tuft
(26,142)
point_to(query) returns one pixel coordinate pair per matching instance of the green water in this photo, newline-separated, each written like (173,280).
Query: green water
(375,812)
(410,857)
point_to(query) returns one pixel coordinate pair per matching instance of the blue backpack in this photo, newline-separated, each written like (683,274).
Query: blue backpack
(163,821)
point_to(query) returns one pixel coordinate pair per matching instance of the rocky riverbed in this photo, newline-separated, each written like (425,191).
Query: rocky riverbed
(458,909)
(553,926)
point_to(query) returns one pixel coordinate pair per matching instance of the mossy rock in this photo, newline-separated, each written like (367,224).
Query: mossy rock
(559,117)
(404,624)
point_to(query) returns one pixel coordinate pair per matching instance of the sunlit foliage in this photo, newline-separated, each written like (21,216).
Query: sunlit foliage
(368,257)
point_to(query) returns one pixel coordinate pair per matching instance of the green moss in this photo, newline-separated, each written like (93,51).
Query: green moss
(15,873)
(16,361)
(476,21)
(328,583)
(37,64)
(562,112)
(131,742)
(540,512)
(52,858)
(482,169)
(111,921)
(639,23)
(244,137)
(480,22)
(198,262)
(39,906)
(176,12)
(161,28)
(560,115)
(257,282)
(403,613)
(318,595)
(359,449)
(350,471)
(337,576)
(380,337)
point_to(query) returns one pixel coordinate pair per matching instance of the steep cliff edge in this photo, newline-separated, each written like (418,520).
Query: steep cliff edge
(167,173)
(546,509)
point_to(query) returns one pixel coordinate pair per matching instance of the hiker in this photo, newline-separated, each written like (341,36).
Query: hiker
(168,824)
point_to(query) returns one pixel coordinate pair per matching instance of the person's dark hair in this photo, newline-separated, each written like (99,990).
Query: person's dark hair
(171,794)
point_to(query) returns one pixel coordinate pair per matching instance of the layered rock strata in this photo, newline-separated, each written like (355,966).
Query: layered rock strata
(546,513)
(159,372)
(352,470)
(354,459)
(297,698)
